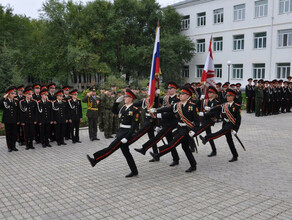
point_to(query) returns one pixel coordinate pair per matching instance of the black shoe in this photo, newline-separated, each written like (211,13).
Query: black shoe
(27,148)
(91,160)
(63,143)
(154,160)
(191,169)
(44,146)
(92,139)
(204,141)
(15,149)
(131,174)
(174,163)
(74,142)
(96,139)
(78,141)
(48,145)
(32,147)
(155,156)
(59,144)
(10,150)
(212,154)
(140,150)
(233,159)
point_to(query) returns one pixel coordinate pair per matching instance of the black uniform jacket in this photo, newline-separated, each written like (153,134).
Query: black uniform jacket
(10,111)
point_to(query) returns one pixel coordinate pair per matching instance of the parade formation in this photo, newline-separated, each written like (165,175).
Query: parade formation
(37,114)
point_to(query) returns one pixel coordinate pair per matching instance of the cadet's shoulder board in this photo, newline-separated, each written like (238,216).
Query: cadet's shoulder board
(216,100)
(135,107)
(192,103)
(237,104)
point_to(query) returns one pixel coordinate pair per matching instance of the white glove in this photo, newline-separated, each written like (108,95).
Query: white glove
(157,129)
(124,140)
(207,108)
(202,97)
(152,110)
(159,115)
(191,133)
(201,114)
(157,92)
(234,132)
(121,98)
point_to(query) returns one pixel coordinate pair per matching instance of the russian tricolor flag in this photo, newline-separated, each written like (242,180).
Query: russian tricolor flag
(155,69)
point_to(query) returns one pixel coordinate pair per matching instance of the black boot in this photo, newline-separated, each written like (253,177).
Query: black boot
(191,169)
(233,159)
(174,163)
(132,174)
(204,141)
(212,154)
(155,156)
(91,160)
(140,150)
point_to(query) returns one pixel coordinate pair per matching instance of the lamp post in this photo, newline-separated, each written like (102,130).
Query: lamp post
(229,64)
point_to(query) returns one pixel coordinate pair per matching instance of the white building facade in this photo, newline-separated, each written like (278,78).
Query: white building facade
(251,38)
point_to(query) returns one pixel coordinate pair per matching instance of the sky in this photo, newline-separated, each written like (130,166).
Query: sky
(31,8)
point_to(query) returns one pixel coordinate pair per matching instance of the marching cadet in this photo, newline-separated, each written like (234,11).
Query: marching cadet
(129,116)
(60,115)
(168,124)
(231,123)
(36,96)
(93,104)
(10,117)
(259,96)
(66,97)
(238,98)
(52,97)
(20,132)
(248,95)
(211,114)
(108,102)
(75,108)
(45,117)
(188,118)
(28,117)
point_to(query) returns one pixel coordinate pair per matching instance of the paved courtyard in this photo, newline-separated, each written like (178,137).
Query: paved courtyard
(59,183)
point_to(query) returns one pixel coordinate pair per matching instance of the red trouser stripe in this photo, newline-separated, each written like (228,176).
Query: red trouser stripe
(159,138)
(218,135)
(109,151)
(173,144)
(200,131)
(140,134)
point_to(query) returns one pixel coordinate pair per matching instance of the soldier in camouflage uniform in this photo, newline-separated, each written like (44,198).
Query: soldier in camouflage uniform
(108,102)
(259,96)
(101,109)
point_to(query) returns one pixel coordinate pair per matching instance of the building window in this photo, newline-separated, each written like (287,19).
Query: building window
(218,70)
(201,19)
(200,69)
(238,42)
(185,23)
(237,70)
(258,70)
(285,6)
(285,38)
(239,12)
(201,45)
(218,44)
(283,70)
(260,40)
(218,16)
(186,72)
(261,8)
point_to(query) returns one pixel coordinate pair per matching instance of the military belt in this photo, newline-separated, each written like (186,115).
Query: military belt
(95,109)
(125,126)
(182,124)
(226,119)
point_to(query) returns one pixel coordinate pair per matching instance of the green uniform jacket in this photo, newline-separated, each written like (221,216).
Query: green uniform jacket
(93,106)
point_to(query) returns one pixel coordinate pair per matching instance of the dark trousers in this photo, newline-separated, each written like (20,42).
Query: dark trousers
(37,133)
(164,132)
(182,138)
(115,145)
(10,133)
(206,126)
(67,130)
(75,129)
(60,132)
(20,134)
(226,130)
(45,130)
(249,104)
(146,128)
(92,127)
(52,132)
(29,134)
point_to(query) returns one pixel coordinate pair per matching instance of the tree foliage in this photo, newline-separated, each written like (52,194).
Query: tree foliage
(72,39)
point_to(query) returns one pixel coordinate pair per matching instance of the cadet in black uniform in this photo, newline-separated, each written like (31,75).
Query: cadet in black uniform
(28,117)
(238,97)
(248,95)
(66,97)
(129,115)
(210,117)
(36,96)
(168,123)
(75,109)
(20,132)
(60,112)
(10,117)
(231,123)
(45,117)
(188,118)
(52,97)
